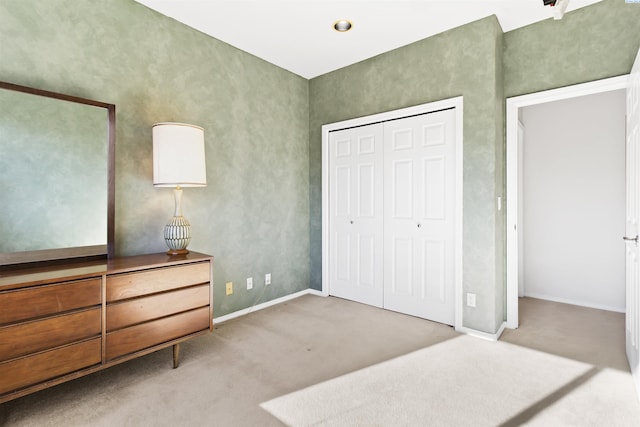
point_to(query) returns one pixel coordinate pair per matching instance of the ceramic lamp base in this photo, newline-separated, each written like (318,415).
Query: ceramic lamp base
(177,235)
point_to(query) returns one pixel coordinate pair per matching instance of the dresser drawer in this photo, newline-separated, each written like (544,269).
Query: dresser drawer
(40,367)
(40,301)
(131,285)
(31,337)
(138,337)
(138,310)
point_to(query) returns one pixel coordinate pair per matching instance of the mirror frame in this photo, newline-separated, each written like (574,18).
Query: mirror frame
(52,255)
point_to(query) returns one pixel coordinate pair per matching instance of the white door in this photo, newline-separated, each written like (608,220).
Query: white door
(355,189)
(632,229)
(419,216)
(520,230)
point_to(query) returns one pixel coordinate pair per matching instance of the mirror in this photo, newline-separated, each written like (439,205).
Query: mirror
(57,156)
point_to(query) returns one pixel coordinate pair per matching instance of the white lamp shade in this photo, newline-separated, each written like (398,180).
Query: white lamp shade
(178,155)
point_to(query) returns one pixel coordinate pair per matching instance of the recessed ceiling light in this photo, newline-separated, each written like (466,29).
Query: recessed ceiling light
(342,25)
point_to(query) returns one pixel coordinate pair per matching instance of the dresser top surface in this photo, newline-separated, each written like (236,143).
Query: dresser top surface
(80,270)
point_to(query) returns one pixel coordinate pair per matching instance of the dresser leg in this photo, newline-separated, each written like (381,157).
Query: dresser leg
(176,355)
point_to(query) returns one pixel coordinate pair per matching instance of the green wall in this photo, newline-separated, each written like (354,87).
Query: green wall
(588,44)
(262,209)
(254,214)
(485,66)
(463,61)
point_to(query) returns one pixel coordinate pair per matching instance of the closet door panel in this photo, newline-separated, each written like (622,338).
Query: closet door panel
(366,191)
(356,214)
(402,266)
(343,191)
(402,196)
(434,266)
(367,261)
(342,257)
(434,188)
(427,177)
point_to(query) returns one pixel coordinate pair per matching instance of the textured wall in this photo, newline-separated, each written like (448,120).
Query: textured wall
(253,216)
(264,181)
(588,44)
(500,285)
(464,61)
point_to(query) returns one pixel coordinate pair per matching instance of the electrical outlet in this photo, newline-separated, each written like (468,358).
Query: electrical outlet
(471,300)
(229,288)
(249,283)
(267,279)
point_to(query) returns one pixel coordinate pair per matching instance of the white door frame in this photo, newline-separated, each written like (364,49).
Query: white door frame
(456,103)
(513,106)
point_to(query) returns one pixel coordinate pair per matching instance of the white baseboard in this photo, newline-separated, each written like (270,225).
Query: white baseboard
(574,302)
(636,381)
(483,335)
(264,305)
(243,312)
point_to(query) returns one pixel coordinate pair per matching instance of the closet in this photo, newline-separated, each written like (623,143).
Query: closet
(392,214)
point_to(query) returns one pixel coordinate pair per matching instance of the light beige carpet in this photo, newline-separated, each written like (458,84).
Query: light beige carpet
(312,343)
(467,381)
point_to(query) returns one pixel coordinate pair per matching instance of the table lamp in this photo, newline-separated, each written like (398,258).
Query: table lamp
(178,161)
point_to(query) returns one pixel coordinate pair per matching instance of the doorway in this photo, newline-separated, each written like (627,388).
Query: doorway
(573,201)
(515,109)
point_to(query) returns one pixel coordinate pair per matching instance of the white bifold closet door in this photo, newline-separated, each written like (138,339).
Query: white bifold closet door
(356,214)
(419,216)
(392,224)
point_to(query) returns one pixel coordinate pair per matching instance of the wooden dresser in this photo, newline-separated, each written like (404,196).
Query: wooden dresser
(62,322)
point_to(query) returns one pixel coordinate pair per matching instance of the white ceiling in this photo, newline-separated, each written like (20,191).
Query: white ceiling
(298,35)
